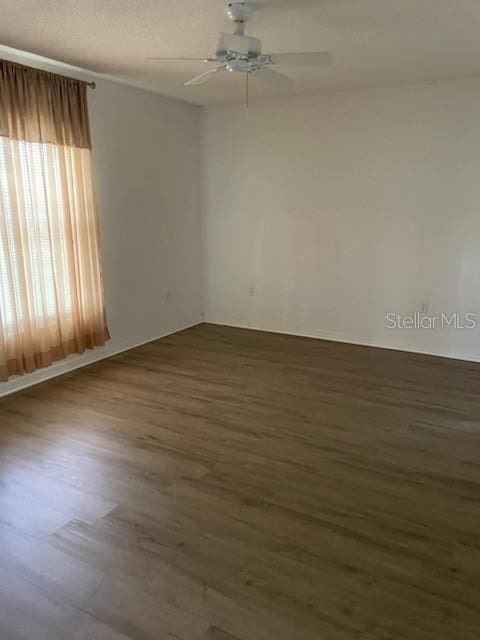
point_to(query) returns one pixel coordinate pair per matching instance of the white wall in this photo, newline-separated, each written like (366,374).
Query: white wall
(341,208)
(146,158)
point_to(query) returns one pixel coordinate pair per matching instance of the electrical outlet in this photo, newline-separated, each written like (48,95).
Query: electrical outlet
(251,290)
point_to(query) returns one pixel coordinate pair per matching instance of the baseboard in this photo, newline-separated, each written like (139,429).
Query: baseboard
(451,354)
(78,362)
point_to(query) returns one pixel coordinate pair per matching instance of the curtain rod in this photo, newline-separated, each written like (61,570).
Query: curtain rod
(90,83)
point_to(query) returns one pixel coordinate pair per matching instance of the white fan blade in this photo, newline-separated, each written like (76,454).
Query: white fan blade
(204,77)
(320,58)
(273,77)
(239,44)
(187,59)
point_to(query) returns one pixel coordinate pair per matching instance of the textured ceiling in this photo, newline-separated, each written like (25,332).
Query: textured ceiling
(373,42)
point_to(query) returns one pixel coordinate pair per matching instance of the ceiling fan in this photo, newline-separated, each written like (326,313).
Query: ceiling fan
(239,53)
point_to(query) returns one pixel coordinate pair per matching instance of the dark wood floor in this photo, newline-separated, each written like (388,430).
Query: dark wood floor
(226,484)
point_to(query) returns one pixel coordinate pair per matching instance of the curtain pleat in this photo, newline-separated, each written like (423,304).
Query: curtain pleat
(51,289)
(42,107)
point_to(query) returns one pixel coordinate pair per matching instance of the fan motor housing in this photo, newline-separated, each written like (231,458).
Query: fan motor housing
(238,11)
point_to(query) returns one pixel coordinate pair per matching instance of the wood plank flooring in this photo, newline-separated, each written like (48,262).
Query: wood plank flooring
(224,484)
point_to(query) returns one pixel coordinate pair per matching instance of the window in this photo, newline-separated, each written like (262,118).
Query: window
(32,157)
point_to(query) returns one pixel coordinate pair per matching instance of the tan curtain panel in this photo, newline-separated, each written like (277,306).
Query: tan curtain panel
(51,290)
(42,107)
